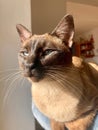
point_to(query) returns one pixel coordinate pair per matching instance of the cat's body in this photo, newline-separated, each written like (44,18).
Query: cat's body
(54,100)
(64,88)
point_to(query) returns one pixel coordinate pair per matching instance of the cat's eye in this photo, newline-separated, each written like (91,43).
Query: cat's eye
(47,52)
(24,53)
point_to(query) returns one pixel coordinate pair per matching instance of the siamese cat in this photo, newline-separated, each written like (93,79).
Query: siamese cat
(64,87)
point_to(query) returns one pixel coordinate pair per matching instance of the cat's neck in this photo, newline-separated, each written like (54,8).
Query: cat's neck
(49,97)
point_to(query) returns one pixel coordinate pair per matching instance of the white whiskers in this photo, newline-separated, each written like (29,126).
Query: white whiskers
(68,78)
(9,81)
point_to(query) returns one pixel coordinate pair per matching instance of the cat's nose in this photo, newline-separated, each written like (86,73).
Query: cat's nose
(30,66)
(33,66)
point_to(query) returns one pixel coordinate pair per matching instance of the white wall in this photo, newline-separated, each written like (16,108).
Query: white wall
(85,16)
(17,113)
(46,14)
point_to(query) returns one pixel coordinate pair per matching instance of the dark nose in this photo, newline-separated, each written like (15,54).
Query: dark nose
(33,66)
(29,68)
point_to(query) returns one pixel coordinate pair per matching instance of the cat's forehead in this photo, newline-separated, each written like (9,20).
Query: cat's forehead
(46,38)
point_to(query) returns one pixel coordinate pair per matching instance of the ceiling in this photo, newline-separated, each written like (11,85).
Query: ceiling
(85,14)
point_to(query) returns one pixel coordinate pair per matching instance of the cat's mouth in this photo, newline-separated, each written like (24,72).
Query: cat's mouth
(34,76)
(34,79)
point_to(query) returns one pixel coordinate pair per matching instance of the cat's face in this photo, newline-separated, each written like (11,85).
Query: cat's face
(38,53)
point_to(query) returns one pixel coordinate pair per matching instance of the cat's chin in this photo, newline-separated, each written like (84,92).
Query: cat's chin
(34,79)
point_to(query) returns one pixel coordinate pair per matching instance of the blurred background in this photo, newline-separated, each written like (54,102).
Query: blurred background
(39,17)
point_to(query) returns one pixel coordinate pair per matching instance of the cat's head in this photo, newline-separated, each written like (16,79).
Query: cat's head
(41,52)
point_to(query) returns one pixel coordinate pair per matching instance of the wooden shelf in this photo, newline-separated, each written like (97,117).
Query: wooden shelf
(84,48)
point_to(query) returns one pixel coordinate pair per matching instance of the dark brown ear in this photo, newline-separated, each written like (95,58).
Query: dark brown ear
(65,30)
(24,33)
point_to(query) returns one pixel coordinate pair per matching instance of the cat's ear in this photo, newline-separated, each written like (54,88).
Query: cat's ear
(65,30)
(24,33)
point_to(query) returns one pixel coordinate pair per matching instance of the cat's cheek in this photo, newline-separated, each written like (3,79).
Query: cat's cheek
(21,66)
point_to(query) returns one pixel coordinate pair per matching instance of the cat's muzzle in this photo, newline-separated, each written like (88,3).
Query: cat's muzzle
(33,73)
